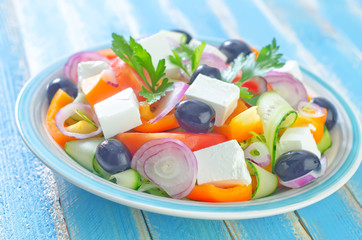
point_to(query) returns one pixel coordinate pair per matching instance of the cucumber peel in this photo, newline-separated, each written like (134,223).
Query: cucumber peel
(129,178)
(275,114)
(326,141)
(83,151)
(266,182)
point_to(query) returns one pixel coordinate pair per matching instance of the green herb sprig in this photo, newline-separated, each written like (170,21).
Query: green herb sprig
(140,60)
(186,52)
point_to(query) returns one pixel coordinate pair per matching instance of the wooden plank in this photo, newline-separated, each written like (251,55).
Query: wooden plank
(168,227)
(285,226)
(29,206)
(77,28)
(91,217)
(336,217)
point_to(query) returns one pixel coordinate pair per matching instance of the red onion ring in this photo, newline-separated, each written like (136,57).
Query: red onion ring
(169,164)
(290,88)
(307,178)
(263,158)
(169,101)
(318,110)
(71,66)
(67,111)
(213,60)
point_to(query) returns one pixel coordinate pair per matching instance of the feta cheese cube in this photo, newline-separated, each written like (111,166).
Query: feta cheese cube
(222,165)
(222,96)
(158,46)
(209,48)
(90,69)
(291,67)
(118,113)
(298,138)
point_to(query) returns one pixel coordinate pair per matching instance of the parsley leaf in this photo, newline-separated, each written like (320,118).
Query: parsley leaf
(177,60)
(248,96)
(140,60)
(267,59)
(196,56)
(185,52)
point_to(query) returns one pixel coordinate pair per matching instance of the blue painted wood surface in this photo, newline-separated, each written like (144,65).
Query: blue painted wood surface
(322,35)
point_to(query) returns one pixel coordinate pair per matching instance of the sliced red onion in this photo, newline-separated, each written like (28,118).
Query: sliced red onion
(309,109)
(213,60)
(309,177)
(290,88)
(169,101)
(70,109)
(172,42)
(169,164)
(258,153)
(71,66)
(256,83)
(109,77)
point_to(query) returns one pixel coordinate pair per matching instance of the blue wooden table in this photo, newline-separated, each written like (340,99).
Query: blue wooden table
(36,203)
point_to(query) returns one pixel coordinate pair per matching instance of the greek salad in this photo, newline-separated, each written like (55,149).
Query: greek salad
(173,116)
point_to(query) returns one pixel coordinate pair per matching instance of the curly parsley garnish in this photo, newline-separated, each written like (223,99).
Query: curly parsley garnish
(140,60)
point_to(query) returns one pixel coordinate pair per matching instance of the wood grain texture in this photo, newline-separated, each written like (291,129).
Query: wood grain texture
(29,206)
(315,33)
(91,217)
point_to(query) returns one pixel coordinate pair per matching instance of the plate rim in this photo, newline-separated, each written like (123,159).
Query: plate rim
(179,207)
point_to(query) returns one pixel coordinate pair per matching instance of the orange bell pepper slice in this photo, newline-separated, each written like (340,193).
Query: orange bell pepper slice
(210,193)
(240,126)
(318,123)
(59,100)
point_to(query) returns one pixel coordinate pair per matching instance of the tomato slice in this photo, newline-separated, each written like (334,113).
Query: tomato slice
(195,141)
(127,77)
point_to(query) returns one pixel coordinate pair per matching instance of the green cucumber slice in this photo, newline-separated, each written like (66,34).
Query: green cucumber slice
(99,170)
(129,178)
(82,151)
(275,114)
(326,141)
(152,188)
(266,181)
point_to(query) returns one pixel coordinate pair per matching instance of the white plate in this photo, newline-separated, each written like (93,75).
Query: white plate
(344,158)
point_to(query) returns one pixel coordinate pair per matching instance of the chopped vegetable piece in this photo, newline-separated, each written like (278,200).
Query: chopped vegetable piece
(241,126)
(60,99)
(168,163)
(210,193)
(275,113)
(195,141)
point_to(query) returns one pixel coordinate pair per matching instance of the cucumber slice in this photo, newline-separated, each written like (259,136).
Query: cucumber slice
(82,151)
(152,188)
(266,181)
(275,114)
(326,141)
(129,178)
(99,170)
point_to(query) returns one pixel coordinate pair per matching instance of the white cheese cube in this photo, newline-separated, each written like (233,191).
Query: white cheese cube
(159,47)
(298,138)
(291,67)
(118,113)
(222,165)
(209,49)
(90,69)
(222,96)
